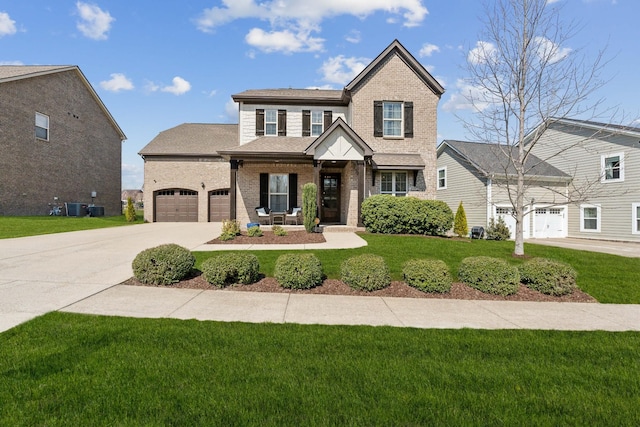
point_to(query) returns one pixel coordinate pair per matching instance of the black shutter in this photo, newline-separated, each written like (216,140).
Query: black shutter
(408,119)
(328,119)
(282,122)
(264,190)
(377,118)
(259,122)
(306,123)
(293,190)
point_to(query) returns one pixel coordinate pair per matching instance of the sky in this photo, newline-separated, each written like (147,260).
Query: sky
(157,64)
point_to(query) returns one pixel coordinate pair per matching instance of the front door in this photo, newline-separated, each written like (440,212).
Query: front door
(330,198)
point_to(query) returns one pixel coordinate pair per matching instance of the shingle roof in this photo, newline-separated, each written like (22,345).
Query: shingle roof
(397,161)
(599,126)
(10,72)
(272,146)
(193,139)
(292,96)
(493,159)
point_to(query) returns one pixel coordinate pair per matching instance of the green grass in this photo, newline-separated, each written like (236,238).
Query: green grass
(608,278)
(22,226)
(66,369)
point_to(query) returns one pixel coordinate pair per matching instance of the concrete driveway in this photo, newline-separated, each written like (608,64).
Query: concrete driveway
(627,249)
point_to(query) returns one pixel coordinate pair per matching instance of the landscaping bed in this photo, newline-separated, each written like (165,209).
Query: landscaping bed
(268,238)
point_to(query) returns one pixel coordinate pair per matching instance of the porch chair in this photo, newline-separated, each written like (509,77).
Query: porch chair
(294,215)
(263,215)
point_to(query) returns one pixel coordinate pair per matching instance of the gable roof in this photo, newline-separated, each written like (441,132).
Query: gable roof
(271,147)
(339,123)
(493,160)
(193,139)
(396,48)
(9,73)
(601,127)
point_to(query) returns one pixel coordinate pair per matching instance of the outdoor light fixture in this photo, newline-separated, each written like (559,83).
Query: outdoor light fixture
(202,184)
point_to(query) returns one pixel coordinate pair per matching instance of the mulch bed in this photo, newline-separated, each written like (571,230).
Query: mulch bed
(268,238)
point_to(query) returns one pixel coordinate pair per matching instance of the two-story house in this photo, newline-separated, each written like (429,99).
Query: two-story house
(375,136)
(58,141)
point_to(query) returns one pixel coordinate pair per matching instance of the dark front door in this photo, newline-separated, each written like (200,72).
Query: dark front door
(330,198)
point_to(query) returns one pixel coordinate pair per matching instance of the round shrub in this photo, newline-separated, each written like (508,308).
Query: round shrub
(427,275)
(279,230)
(163,265)
(383,213)
(298,271)
(254,231)
(366,272)
(235,267)
(548,277)
(489,275)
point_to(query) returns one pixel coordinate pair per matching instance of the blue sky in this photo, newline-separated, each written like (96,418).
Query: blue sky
(156,64)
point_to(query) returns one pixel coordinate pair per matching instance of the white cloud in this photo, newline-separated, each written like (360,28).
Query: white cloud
(428,49)
(549,51)
(354,37)
(132,176)
(467,97)
(117,83)
(179,87)
(342,70)
(323,87)
(231,111)
(11,63)
(7,25)
(95,23)
(482,52)
(293,21)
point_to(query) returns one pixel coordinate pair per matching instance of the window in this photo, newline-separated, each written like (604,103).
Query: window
(271,122)
(392,119)
(613,167)
(278,192)
(317,121)
(394,183)
(635,214)
(442,178)
(590,218)
(42,126)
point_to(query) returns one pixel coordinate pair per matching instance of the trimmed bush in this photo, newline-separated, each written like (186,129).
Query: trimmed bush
(279,230)
(309,206)
(489,275)
(366,272)
(254,232)
(497,230)
(230,229)
(130,211)
(548,277)
(427,275)
(298,271)
(460,226)
(383,213)
(229,268)
(163,265)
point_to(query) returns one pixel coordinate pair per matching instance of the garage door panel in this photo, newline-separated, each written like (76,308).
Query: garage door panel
(218,205)
(549,222)
(176,205)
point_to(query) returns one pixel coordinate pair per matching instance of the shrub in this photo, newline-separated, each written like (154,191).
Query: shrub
(366,272)
(387,214)
(163,265)
(489,275)
(279,230)
(309,206)
(548,277)
(497,230)
(229,268)
(254,231)
(460,226)
(298,271)
(230,229)
(427,275)
(130,211)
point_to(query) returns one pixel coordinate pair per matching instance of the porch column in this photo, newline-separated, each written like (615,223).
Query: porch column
(361,171)
(317,165)
(233,189)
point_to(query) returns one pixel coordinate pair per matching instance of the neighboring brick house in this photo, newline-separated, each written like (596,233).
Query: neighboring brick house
(58,140)
(377,135)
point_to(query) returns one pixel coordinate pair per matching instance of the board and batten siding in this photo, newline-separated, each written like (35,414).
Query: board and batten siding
(582,159)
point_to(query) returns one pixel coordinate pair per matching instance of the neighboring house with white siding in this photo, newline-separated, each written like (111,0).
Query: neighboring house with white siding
(479,176)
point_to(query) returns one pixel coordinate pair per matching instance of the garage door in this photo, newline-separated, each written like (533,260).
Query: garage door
(176,206)
(218,205)
(510,221)
(549,222)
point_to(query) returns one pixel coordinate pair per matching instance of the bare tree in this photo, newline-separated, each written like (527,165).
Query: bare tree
(524,76)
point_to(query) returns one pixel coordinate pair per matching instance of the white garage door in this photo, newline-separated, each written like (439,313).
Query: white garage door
(548,222)
(510,221)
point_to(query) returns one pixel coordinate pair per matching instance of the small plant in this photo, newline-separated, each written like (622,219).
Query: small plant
(230,229)
(497,230)
(235,267)
(427,275)
(366,272)
(548,277)
(309,205)
(460,227)
(163,265)
(130,211)
(254,231)
(489,275)
(298,271)
(279,230)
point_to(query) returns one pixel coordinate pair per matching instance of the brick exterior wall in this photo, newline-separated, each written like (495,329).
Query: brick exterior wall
(83,153)
(188,174)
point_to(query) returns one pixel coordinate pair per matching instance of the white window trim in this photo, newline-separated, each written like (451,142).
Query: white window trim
(401,136)
(393,192)
(46,128)
(598,219)
(635,229)
(603,159)
(266,122)
(321,122)
(444,187)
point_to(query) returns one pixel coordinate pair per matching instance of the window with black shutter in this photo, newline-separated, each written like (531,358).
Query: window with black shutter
(282,122)
(306,123)
(377,118)
(408,119)
(259,122)
(328,119)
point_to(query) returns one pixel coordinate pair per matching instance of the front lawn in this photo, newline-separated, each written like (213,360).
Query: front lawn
(21,226)
(68,369)
(608,278)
